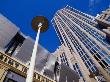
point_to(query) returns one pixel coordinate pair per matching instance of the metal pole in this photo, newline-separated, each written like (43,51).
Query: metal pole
(30,71)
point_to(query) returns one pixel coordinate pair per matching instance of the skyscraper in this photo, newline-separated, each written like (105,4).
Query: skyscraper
(79,32)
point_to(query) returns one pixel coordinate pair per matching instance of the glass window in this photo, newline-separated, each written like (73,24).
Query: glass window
(91,61)
(92,51)
(102,53)
(96,48)
(93,69)
(9,80)
(88,63)
(108,19)
(74,67)
(104,63)
(80,73)
(85,57)
(107,60)
(91,44)
(14,45)
(98,55)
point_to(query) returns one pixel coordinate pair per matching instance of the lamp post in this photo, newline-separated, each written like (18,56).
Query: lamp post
(39,24)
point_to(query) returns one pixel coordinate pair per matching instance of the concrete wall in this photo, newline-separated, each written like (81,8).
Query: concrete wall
(7,31)
(25,53)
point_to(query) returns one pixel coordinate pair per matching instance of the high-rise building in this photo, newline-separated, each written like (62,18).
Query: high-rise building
(81,34)
(15,52)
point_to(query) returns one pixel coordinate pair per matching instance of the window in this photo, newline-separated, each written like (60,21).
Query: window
(108,19)
(107,60)
(14,45)
(80,73)
(9,80)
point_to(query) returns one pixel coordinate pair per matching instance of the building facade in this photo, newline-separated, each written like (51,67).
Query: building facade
(81,34)
(104,22)
(64,56)
(15,52)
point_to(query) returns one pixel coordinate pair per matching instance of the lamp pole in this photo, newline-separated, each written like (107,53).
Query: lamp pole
(33,58)
(39,24)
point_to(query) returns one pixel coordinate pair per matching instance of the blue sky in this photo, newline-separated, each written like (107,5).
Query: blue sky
(21,13)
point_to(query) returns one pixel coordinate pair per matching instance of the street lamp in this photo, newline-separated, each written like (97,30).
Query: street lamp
(39,24)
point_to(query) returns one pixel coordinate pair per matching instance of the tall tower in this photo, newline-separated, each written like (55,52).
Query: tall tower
(78,32)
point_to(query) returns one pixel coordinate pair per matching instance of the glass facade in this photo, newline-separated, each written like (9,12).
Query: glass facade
(78,32)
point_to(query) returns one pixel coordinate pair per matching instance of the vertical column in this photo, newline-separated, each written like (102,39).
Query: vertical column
(3,72)
(30,72)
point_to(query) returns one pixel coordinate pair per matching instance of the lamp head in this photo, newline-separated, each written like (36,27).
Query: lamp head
(40,22)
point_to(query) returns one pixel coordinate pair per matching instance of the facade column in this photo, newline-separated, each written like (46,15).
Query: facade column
(3,72)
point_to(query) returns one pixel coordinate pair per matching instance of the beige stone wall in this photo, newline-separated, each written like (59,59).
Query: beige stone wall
(3,71)
(105,14)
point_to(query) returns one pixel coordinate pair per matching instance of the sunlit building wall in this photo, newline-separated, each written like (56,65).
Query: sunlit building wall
(64,56)
(78,31)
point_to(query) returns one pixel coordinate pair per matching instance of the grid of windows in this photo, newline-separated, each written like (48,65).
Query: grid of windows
(88,29)
(89,44)
(58,33)
(80,17)
(76,68)
(65,38)
(64,59)
(78,47)
(75,27)
(79,12)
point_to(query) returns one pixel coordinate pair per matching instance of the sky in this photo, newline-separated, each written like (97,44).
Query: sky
(21,13)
